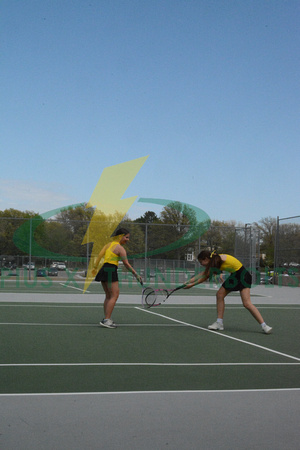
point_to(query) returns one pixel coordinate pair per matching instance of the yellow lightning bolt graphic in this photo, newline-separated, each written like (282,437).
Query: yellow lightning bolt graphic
(110,208)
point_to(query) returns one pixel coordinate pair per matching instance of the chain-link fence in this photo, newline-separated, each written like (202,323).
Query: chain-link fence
(287,249)
(165,251)
(247,248)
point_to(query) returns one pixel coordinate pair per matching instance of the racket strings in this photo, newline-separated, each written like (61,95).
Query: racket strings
(156,297)
(146,291)
(151,298)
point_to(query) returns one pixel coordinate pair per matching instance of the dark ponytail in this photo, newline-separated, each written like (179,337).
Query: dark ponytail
(215,262)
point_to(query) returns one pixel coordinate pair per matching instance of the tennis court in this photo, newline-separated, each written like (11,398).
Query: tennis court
(160,379)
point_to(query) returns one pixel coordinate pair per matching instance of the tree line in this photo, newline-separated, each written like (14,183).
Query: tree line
(173,234)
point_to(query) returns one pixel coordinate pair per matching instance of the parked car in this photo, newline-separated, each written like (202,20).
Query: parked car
(266,278)
(59,265)
(52,272)
(29,266)
(41,273)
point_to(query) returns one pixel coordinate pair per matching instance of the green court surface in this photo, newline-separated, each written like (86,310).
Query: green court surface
(60,347)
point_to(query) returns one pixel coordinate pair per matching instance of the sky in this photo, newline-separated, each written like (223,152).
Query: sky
(209,89)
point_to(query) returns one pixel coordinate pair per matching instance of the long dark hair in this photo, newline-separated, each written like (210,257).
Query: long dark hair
(120,231)
(215,262)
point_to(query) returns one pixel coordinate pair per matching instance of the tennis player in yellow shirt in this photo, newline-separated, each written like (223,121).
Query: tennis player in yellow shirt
(112,253)
(239,280)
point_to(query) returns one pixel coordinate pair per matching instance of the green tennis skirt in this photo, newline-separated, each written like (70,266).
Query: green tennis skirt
(108,273)
(238,280)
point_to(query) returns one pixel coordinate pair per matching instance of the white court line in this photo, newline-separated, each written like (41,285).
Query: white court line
(219,334)
(47,305)
(189,306)
(209,391)
(144,364)
(32,305)
(37,324)
(127,306)
(72,287)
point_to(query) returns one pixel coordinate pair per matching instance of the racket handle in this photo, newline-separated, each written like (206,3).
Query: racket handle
(139,278)
(179,287)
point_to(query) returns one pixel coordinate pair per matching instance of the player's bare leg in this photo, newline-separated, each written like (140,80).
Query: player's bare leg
(245,296)
(221,294)
(218,325)
(111,296)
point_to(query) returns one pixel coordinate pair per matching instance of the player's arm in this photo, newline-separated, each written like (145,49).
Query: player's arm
(122,253)
(198,279)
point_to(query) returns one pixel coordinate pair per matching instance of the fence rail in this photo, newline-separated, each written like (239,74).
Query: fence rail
(161,248)
(287,242)
(153,246)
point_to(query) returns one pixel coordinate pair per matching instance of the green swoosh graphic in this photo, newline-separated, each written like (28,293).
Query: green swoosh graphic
(199,223)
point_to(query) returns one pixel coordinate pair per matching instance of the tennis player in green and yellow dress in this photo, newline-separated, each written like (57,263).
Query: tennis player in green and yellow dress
(239,280)
(113,252)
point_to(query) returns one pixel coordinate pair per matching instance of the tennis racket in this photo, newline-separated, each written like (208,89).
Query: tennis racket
(147,290)
(155,297)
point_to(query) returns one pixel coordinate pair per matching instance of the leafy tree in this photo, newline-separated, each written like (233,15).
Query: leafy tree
(136,244)
(267,230)
(175,231)
(10,220)
(220,237)
(175,234)
(147,217)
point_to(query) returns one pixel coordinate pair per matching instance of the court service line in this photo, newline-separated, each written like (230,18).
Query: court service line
(219,334)
(6,304)
(42,324)
(190,306)
(144,364)
(73,287)
(188,391)
(128,306)
(152,364)
(56,305)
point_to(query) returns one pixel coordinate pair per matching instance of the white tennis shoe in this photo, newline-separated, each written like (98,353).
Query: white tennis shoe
(108,323)
(216,326)
(266,329)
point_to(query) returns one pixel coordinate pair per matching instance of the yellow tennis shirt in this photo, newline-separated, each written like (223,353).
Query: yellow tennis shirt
(231,264)
(110,257)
